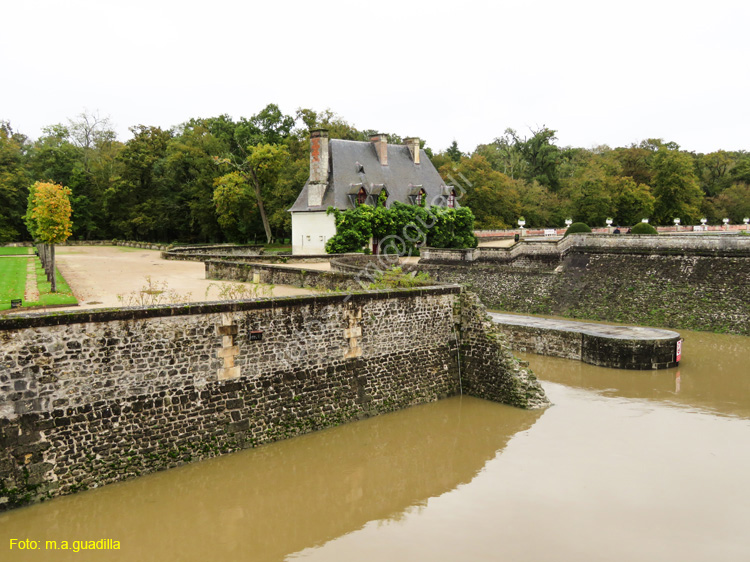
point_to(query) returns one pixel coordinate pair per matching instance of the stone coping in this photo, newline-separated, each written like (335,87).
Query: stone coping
(632,333)
(39,320)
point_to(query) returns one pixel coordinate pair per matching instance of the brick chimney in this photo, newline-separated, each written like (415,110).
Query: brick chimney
(413,144)
(380,142)
(318,183)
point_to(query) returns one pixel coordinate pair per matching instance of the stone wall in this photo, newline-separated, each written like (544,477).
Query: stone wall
(596,349)
(90,398)
(282,275)
(484,349)
(691,288)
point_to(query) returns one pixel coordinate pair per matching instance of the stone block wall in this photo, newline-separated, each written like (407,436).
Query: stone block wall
(484,349)
(614,352)
(673,289)
(281,275)
(90,398)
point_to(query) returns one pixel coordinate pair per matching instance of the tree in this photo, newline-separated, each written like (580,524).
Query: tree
(632,200)
(733,203)
(189,169)
(715,167)
(541,155)
(453,152)
(233,203)
(260,169)
(504,156)
(142,205)
(492,196)
(48,216)
(675,187)
(14,181)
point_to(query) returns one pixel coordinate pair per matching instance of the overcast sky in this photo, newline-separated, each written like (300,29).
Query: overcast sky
(598,72)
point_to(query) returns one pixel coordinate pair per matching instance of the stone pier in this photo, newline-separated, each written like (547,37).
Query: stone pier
(621,347)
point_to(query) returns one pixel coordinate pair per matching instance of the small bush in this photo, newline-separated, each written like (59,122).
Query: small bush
(577,227)
(395,278)
(643,228)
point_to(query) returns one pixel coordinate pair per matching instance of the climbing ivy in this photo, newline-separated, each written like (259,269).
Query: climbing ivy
(401,228)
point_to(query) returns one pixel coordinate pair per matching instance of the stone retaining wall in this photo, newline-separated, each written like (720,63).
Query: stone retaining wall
(282,275)
(618,353)
(701,289)
(89,398)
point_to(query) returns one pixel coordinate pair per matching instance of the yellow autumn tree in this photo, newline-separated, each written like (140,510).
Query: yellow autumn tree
(48,217)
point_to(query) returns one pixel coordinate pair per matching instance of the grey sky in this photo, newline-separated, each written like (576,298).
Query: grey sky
(598,72)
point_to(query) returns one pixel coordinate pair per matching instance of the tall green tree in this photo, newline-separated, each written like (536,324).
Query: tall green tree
(142,205)
(14,182)
(493,196)
(453,152)
(675,187)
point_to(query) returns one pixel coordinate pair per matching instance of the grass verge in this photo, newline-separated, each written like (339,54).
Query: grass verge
(63,295)
(13,251)
(12,280)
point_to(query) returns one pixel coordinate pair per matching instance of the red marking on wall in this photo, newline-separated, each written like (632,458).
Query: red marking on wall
(315,149)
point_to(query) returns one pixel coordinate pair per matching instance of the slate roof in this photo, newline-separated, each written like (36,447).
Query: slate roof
(401,178)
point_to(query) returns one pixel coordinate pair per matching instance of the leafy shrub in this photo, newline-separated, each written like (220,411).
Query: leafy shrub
(577,227)
(643,228)
(402,228)
(395,278)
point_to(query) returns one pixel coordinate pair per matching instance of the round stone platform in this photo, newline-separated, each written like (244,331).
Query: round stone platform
(622,347)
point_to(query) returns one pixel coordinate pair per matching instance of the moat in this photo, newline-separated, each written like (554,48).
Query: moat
(626,465)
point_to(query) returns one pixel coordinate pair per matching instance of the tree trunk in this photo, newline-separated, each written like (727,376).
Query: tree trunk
(53,279)
(261,208)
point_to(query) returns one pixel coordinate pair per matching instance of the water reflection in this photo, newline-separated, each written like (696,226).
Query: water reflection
(267,503)
(713,375)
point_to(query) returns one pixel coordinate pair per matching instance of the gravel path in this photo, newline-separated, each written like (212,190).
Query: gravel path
(98,274)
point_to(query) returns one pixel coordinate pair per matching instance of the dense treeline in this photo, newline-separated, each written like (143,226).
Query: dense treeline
(545,184)
(217,179)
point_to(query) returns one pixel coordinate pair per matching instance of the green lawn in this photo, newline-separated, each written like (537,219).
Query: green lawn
(277,248)
(12,251)
(12,280)
(63,295)
(13,284)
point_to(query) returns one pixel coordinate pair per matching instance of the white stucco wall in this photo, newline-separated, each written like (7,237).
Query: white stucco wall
(311,231)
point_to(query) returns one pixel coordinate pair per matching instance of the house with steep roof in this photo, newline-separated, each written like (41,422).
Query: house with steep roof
(344,174)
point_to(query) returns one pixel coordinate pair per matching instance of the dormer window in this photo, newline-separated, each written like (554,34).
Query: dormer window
(452,199)
(417,194)
(359,167)
(449,196)
(378,195)
(420,197)
(357,194)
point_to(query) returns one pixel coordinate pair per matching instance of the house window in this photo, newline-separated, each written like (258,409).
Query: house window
(361,196)
(452,199)
(420,197)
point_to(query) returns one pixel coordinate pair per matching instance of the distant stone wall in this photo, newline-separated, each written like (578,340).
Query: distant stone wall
(282,275)
(200,253)
(127,243)
(89,398)
(698,286)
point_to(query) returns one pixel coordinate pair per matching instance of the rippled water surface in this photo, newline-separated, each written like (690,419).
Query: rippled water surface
(627,465)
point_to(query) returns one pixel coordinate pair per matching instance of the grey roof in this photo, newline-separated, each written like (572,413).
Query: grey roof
(401,178)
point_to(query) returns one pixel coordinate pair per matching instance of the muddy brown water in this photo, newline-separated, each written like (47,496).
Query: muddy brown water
(627,465)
